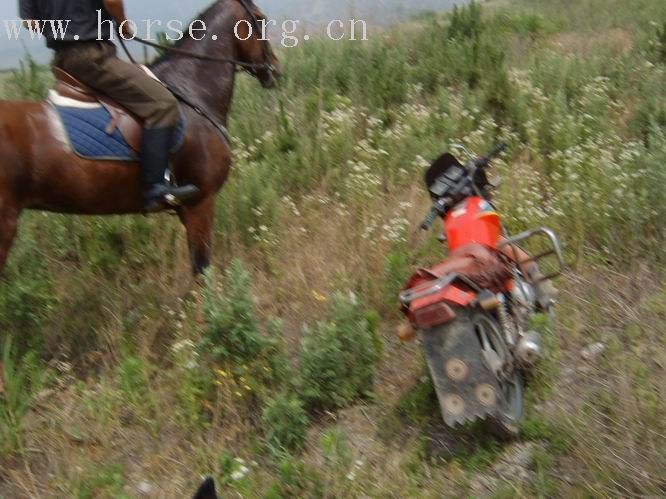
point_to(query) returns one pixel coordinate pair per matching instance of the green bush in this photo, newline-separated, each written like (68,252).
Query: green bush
(23,379)
(338,358)
(232,325)
(335,447)
(27,295)
(295,479)
(466,22)
(419,405)
(285,422)
(132,379)
(661,44)
(31,81)
(236,338)
(104,481)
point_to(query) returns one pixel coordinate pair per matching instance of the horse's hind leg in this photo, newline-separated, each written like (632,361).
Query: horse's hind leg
(198,222)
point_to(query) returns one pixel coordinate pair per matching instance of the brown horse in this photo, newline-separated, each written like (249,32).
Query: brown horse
(39,171)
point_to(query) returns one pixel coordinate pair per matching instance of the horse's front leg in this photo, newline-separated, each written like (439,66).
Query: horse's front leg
(9,216)
(198,222)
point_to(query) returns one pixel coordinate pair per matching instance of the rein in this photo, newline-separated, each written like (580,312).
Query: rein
(197,109)
(249,66)
(201,57)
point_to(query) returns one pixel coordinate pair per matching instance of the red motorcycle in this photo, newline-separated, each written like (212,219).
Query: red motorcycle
(475,309)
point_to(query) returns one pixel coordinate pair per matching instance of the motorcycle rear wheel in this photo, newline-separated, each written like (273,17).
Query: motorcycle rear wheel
(506,424)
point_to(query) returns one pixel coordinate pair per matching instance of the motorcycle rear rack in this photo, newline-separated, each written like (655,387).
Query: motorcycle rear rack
(432,287)
(556,250)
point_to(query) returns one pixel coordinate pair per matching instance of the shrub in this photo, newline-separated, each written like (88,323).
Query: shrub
(285,422)
(466,22)
(334,446)
(232,325)
(31,297)
(31,81)
(104,481)
(132,379)
(420,405)
(295,479)
(338,358)
(23,379)
(249,349)
(661,44)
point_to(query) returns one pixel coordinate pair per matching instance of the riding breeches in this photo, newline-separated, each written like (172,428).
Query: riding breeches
(97,65)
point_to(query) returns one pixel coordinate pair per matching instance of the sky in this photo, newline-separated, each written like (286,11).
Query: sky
(312,11)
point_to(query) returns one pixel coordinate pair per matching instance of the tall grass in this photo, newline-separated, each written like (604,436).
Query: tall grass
(324,198)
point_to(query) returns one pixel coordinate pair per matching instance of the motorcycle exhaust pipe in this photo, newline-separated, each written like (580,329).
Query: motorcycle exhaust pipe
(528,350)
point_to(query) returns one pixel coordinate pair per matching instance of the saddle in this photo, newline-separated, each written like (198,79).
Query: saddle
(122,120)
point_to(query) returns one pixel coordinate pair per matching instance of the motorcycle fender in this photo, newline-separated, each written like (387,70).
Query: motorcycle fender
(466,389)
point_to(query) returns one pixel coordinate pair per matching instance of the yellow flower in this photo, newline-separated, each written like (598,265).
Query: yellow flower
(222,373)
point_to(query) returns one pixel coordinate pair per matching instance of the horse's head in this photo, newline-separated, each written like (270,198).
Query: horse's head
(207,490)
(251,45)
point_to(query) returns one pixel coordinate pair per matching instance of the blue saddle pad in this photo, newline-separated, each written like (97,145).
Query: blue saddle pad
(86,131)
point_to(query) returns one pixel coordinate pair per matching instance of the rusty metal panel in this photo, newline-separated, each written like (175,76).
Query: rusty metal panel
(467,390)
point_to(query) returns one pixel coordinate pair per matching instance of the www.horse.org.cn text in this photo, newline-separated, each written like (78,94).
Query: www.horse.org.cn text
(290,32)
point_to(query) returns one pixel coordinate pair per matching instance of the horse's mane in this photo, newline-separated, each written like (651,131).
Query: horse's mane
(203,15)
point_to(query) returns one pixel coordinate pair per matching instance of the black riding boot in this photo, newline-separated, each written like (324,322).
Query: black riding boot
(157,193)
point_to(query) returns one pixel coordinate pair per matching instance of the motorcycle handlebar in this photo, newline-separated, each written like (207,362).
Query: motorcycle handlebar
(429,219)
(498,149)
(440,207)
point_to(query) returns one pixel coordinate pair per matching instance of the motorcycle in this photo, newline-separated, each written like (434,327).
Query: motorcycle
(475,309)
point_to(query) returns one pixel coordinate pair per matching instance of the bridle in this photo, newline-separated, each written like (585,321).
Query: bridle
(265,47)
(251,67)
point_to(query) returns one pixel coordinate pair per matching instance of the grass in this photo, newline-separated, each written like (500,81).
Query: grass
(125,372)
(5,76)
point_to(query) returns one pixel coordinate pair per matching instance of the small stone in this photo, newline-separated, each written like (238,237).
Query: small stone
(145,489)
(592,351)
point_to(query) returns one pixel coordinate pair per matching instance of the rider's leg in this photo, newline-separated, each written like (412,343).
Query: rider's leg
(96,65)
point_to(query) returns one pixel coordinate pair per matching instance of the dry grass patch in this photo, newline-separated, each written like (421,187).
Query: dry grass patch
(615,41)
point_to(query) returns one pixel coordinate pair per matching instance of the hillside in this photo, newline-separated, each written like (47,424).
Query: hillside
(373,11)
(280,373)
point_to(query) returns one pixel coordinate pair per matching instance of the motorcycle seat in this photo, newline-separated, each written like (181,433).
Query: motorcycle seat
(484,266)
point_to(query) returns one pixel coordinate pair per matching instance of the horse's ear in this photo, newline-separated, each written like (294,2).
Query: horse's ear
(207,490)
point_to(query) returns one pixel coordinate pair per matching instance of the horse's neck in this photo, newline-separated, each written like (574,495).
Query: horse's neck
(208,85)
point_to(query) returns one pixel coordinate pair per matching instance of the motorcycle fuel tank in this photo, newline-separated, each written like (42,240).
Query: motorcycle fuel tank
(474,220)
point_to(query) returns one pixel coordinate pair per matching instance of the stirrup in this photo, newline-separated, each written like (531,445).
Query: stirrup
(169,197)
